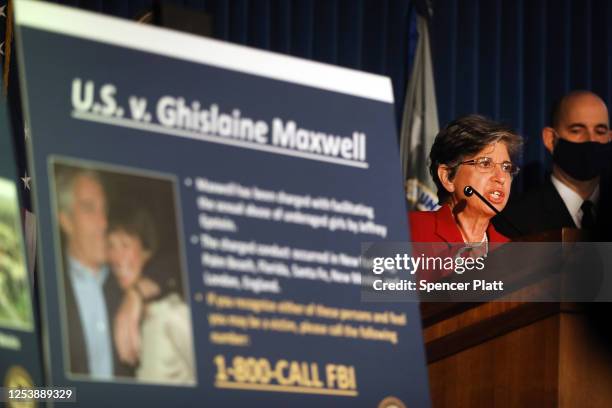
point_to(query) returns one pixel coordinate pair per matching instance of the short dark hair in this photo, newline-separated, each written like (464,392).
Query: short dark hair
(464,137)
(136,222)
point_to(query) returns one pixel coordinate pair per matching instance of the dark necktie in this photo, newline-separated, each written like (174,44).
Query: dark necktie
(588,219)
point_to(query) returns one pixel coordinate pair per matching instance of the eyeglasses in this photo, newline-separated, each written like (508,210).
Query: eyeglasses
(487,165)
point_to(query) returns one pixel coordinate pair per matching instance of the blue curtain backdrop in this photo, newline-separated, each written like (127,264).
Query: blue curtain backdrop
(377,36)
(511,59)
(507,59)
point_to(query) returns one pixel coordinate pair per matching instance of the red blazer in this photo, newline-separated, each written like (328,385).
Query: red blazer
(440,226)
(433,227)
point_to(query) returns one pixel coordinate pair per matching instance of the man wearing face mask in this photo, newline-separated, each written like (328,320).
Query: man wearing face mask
(576,193)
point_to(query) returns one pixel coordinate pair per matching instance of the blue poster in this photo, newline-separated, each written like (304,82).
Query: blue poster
(202,209)
(20,356)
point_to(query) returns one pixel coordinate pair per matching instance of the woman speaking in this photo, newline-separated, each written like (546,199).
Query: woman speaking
(474,152)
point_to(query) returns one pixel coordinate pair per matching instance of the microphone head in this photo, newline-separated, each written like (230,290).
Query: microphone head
(468,191)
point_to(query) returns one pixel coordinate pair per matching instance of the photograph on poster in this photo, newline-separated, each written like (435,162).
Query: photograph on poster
(15,300)
(126,313)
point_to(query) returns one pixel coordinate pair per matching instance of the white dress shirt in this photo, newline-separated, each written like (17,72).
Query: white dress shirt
(88,288)
(572,199)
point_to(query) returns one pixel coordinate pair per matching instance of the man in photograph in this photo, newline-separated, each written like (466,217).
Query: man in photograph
(92,297)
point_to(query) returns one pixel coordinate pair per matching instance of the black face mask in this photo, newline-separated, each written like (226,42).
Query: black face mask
(582,161)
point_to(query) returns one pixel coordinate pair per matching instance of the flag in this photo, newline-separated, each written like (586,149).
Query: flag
(20,131)
(419,126)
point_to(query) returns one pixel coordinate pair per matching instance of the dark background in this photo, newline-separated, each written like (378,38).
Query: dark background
(511,59)
(507,59)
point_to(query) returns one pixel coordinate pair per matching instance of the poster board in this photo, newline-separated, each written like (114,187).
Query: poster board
(261,175)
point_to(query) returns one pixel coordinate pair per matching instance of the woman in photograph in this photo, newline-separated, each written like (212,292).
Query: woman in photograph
(166,349)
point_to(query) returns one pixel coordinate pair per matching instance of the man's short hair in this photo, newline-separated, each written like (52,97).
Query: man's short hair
(65,177)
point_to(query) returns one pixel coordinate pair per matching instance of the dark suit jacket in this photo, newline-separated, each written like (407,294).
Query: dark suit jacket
(76,338)
(542,209)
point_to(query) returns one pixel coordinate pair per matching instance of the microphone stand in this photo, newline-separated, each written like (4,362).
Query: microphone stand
(469,191)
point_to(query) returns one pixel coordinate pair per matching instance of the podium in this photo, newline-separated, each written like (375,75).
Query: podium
(516,354)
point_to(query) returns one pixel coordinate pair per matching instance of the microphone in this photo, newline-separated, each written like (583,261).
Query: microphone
(469,191)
